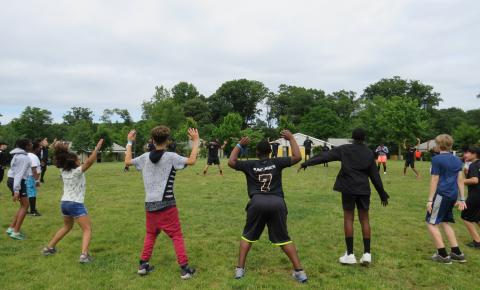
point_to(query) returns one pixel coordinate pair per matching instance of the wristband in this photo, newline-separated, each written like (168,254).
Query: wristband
(239,146)
(429,201)
(461,199)
(129,142)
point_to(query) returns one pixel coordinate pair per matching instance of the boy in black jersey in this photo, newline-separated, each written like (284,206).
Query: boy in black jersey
(213,158)
(266,206)
(471,215)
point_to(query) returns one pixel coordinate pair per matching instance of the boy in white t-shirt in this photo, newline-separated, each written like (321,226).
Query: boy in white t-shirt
(73,209)
(33,179)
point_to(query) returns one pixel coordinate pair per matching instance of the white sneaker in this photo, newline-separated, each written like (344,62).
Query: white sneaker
(366,259)
(385,172)
(348,259)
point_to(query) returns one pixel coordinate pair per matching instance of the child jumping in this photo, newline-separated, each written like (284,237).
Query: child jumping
(17,183)
(358,165)
(445,185)
(159,168)
(72,202)
(266,206)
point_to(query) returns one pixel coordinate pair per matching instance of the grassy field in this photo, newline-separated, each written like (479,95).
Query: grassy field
(212,215)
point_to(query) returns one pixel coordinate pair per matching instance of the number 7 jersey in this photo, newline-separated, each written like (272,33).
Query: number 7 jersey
(264,176)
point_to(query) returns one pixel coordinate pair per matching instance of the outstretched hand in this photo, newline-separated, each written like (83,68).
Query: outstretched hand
(385,199)
(99,145)
(301,167)
(286,134)
(193,134)
(132,135)
(244,141)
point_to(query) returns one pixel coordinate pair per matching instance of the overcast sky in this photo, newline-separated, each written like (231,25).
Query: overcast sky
(107,54)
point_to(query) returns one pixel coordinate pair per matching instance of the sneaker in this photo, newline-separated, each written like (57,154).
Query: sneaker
(9,231)
(48,251)
(300,276)
(35,213)
(473,244)
(144,269)
(366,259)
(385,172)
(239,272)
(17,236)
(187,272)
(437,258)
(348,259)
(458,258)
(85,258)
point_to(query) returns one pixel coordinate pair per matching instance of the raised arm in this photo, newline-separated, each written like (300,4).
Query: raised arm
(296,154)
(93,157)
(232,162)
(193,135)
(325,156)
(132,135)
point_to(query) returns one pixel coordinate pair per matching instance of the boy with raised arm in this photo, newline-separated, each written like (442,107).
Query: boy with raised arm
(445,186)
(358,166)
(266,206)
(159,168)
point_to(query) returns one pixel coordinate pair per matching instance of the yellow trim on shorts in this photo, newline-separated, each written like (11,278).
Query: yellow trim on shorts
(247,240)
(282,244)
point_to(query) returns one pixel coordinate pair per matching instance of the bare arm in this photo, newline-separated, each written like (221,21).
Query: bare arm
(193,135)
(132,135)
(93,157)
(461,188)
(296,154)
(471,181)
(433,189)
(232,162)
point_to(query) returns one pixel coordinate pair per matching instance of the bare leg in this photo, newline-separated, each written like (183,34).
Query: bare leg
(472,230)
(404,170)
(85,224)
(242,256)
(220,168)
(436,235)
(365,223)
(450,235)
(21,213)
(348,218)
(67,226)
(292,254)
(205,170)
(415,171)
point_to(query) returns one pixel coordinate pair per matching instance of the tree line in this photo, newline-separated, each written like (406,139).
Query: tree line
(391,110)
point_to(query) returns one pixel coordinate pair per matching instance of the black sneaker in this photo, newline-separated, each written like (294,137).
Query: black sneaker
(458,258)
(48,251)
(187,272)
(443,260)
(474,244)
(144,269)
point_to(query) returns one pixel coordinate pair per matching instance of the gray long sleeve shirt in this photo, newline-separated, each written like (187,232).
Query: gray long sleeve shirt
(19,168)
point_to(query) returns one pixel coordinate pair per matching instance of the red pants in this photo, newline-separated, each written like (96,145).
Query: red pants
(168,222)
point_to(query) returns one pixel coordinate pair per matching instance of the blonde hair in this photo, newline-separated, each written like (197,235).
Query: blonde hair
(444,142)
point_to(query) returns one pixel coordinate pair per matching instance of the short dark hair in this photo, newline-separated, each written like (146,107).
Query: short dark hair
(160,134)
(36,144)
(3,143)
(474,150)
(263,148)
(358,134)
(23,143)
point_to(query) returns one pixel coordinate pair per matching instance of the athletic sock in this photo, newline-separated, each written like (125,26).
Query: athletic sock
(366,246)
(456,250)
(442,252)
(378,167)
(298,270)
(349,242)
(384,168)
(32,201)
(143,262)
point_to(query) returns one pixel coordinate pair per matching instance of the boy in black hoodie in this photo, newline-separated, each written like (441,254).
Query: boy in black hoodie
(358,165)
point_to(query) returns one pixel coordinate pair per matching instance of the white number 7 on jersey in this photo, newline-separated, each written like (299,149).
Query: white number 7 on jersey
(266,179)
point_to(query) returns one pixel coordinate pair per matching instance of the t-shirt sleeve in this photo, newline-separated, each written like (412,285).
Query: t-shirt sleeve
(474,171)
(283,162)
(35,161)
(77,171)
(242,165)
(435,167)
(139,162)
(179,162)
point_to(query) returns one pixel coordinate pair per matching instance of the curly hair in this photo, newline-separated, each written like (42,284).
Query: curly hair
(64,159)
(160,134)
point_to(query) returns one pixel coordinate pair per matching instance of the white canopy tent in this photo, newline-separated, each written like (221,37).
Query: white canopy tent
(284,149)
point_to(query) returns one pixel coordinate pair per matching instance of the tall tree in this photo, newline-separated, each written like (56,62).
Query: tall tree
(241,96)
(161,94)
(33,123)
(446,120)
(197,108)
(230,127)
(81,135)
(76,114)
(388,88)
(466,135)
(321,123)
(183,91)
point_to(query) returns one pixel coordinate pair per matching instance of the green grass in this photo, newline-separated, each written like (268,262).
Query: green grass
(212,215)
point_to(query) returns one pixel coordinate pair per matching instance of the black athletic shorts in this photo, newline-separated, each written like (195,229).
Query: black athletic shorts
(213,160)
(308,152)
(23,189)
(410,163)
(350,201)
(472,212)
(267,210)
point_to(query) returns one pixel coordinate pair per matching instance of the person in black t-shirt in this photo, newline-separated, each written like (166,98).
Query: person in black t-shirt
(358,166)
(325,149)
(266,206)
(213,158)
(4,159)
(410,157)
(308,147)
(471,215)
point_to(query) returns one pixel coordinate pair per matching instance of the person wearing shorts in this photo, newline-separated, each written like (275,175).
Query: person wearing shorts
(471,215)
(267,205)
(33,180)
(410,158)
(213,158)
(446,186)
(382,152)
(353,182)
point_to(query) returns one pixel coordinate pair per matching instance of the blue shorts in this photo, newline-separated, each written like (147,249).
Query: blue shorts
(73,209)
(442,210)
(31,187)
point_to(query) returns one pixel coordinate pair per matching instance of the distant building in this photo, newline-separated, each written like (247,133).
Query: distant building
(339,141)
(284,149)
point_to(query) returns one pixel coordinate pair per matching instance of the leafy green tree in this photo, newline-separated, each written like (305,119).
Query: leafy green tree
(388,88)
(183,92)
(446,120)
(255,137)
(122,113)
(103,133)
(230,127)
(161,94)
(321,123)
(81,135)
(76,114)
(197,109)
(466,135)
(33,123)
(241,96)
(181,134)
(285,123)
(473,117)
